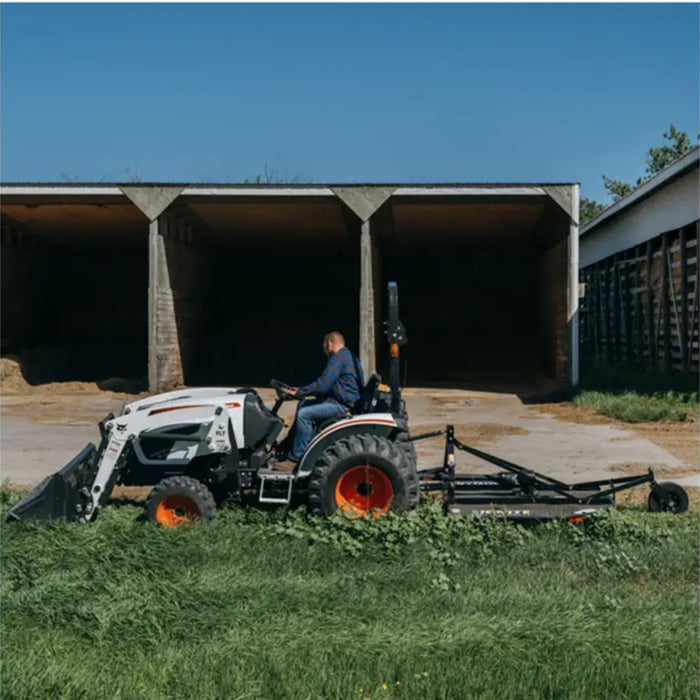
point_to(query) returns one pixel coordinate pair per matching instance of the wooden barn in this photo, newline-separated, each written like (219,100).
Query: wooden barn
(639,268)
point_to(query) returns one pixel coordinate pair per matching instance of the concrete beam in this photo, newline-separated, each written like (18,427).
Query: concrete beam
(564,197)
(164,361)
(468,190)
(363,201)
(152,200)
(256,191)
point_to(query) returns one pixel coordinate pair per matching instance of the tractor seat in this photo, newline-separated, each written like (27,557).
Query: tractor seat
(368,396)
(365,404)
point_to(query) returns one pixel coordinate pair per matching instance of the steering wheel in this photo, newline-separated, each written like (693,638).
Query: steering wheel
(280,388)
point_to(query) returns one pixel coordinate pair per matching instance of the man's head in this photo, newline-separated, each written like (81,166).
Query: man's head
(333,342)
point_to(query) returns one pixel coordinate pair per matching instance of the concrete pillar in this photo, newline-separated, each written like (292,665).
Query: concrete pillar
(164,360)
(573,288)
(364,202)
(367,320)
(378,287)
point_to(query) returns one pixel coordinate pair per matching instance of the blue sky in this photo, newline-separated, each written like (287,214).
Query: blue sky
(343,93)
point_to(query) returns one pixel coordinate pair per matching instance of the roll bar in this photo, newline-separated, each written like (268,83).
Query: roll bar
(396,337)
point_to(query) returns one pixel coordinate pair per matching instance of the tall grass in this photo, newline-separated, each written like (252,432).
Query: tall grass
(632,407)
(422,606)
(633,396)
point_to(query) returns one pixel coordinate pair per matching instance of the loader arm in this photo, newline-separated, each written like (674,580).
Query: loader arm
(83,485)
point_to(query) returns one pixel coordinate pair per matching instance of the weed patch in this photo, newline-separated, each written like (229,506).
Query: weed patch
(633,407)
(634,396)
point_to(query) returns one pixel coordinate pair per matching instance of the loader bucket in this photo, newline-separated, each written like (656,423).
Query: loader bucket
(59,497)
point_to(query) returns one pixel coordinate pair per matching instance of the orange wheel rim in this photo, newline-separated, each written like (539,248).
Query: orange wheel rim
(177,510)
(364,490)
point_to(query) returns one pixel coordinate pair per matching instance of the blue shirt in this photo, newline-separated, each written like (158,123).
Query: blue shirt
(342,380)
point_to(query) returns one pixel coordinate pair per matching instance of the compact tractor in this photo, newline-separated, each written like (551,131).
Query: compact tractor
(201,448)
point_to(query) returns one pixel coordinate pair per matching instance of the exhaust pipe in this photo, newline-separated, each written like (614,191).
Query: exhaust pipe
(63,495)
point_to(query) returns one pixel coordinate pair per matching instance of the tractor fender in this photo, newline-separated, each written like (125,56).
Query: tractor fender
(383,424)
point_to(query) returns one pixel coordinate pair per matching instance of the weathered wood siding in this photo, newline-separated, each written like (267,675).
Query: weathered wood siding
(640,305)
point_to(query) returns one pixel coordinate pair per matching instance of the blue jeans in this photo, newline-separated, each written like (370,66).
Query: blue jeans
(310,413)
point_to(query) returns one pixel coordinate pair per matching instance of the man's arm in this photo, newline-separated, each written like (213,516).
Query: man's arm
(325,382)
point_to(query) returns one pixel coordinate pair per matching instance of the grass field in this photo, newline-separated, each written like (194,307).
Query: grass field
(260,605)
(633,396)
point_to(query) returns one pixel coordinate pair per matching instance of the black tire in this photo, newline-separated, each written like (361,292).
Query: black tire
(362,450)
(677,499)
(409,449)
(184,500)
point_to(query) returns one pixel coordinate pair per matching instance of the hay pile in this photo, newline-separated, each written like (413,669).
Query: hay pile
(12,381)
(11,378)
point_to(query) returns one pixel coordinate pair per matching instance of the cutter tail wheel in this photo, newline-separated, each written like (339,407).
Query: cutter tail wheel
(675,501)
(363,475)
(180,500)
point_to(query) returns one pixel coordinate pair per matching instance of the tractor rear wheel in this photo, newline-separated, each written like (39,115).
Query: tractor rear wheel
(180,500)
(363,475)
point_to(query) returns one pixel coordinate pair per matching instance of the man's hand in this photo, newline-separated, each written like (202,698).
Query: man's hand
(292,390)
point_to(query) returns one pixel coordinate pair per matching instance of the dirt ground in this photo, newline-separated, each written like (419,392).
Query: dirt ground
(43,427)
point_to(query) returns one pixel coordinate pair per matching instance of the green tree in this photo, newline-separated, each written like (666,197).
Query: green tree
(656,160)
(589,209)
(659,158)
(678,144)
(616,188)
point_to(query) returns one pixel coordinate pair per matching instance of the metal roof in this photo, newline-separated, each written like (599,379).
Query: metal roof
(662,179)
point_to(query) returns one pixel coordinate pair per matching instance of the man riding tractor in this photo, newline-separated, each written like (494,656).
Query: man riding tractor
(336,393)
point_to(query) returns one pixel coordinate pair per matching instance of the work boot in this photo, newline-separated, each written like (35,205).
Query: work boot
(286,465)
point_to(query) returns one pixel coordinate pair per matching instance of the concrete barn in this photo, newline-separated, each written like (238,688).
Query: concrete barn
(235,284)
(640,271)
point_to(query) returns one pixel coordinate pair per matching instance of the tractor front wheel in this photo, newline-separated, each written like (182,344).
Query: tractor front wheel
(180,500)
(363,475)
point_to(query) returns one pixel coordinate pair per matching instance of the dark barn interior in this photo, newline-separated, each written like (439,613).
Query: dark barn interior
(74,286)
(482,285)
(247,283)
(283,272)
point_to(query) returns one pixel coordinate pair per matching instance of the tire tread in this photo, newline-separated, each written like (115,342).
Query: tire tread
(353,446)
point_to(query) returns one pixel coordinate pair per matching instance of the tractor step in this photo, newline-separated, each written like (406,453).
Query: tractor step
(271,476)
